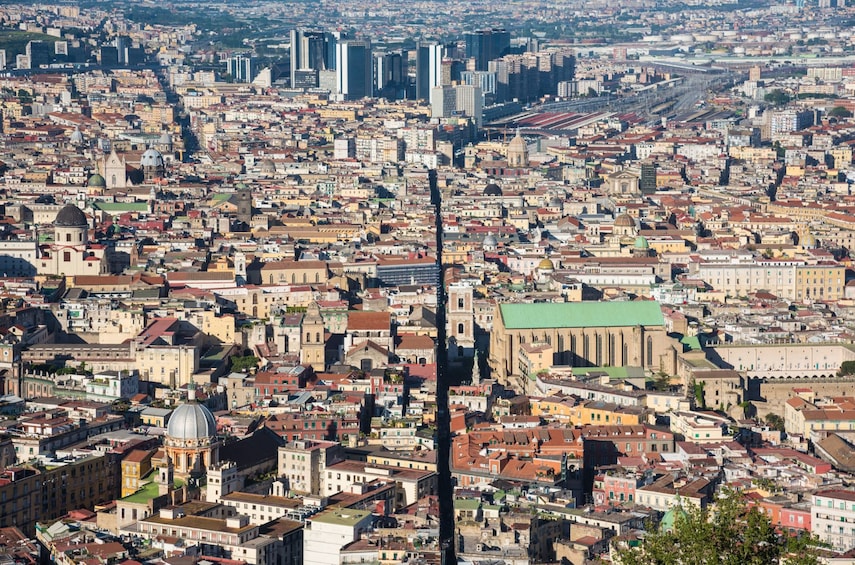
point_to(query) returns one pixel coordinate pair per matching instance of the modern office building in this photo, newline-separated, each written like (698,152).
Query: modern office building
(428,68)
(308,57)
(390,74)
(486,45)
(354,69)
(241,67)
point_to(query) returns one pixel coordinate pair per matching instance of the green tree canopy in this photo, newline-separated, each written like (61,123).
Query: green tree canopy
(775,422)
(847,368)
(839,112)
(730,534)
(245,363)
(777,97)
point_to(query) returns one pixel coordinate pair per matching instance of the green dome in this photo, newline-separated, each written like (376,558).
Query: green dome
(670,518)
(97,181)
(641,242)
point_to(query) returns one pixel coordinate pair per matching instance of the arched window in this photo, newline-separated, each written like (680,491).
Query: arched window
(599,342)
(460,328)
(649,350)
(308,337)
(317,337)
(611,349)
(586,349)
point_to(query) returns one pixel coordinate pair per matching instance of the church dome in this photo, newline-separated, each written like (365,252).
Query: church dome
(669,520)
(191,421)
(490,241)
(518,143)
(97,181)
(76,137)
(641,242)
(492,189)
(808,241)
(546,265)
(165,139)
(71,217)
(151,158)
(267,166)
(624,221)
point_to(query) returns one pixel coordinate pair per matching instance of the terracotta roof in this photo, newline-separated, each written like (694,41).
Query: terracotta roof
(369,321)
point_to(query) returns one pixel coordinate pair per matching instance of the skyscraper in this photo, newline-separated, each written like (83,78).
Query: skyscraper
(390,74)
(241,67)
(485,45)
(470,102)
(462,99)
(308,57)
(354,69)
(428,68)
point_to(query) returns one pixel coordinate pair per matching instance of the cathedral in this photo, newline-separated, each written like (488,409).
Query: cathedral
(71,254)
(117,175)
(191,443)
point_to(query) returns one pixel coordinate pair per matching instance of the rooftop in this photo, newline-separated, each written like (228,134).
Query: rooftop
(581,315)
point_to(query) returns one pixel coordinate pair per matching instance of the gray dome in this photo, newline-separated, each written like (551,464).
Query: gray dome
(76,137)
(151,158)
(191,421)
(492,189)
(71,217)
(165,139)
(490,241)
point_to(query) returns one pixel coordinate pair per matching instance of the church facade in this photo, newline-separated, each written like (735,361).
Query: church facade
(71,253)
(579,334)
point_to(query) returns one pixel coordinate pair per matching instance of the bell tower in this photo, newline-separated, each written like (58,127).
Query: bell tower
(165,477)
(312,339)
(460,325)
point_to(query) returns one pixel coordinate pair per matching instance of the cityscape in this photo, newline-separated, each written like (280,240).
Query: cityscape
(429,283)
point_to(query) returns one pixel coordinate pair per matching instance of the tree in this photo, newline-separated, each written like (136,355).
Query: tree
(730,534)
(245,363)
(839,112)
(846,368)
(777,97)
(661,381)
(775,422)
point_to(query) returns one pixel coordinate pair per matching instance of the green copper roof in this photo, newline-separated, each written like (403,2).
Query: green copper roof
(121,206)
(581,315)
